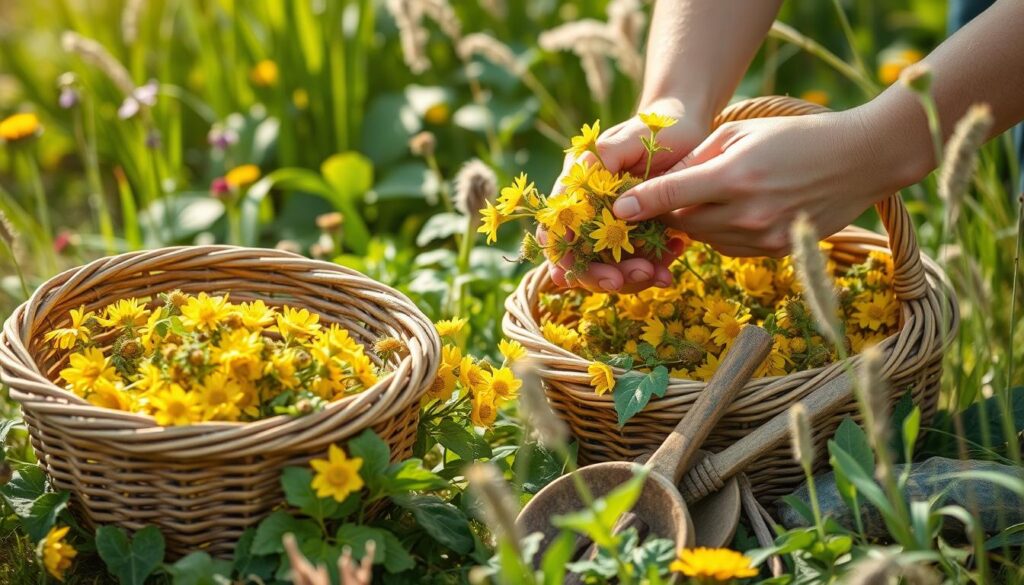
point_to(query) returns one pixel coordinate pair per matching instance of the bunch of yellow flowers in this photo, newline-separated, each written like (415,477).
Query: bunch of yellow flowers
(184,359)
(579,219)
(690,326)
(466,378)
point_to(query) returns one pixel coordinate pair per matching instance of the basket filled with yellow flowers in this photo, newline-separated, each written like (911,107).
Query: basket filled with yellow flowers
(171,387)
(623,369)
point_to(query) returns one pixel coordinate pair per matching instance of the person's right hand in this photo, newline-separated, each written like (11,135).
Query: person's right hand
(621,151)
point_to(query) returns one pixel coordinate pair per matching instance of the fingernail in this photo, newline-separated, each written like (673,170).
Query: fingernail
(638,275)
(626,207)
(609,284)
(661,282)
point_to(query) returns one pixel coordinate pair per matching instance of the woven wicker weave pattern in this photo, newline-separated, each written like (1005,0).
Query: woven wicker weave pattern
(203,484)
(913,357)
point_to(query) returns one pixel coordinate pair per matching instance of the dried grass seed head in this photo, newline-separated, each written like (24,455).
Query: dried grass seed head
(961,156)
(800,436)
(819,289)
(475,185)
(500,507)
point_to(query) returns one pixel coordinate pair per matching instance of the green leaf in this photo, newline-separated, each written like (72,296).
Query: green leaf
(441,520)
(248,564)
(410,475)
(622,360)
(541,467)
(375,454)
(131,561)
(854,441)
(179,218)
(468,445)
(441,227)
(299,492)
(1012,536)
(412,180)
(557,556)
(199,568)
(390,551)
(398,558)
(43,515)
(864,482)
(273,528)
(350,175)
(634,389)
(25,487)
(911,428)
(597,521)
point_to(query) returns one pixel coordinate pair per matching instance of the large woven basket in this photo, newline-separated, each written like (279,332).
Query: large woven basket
(913,356)
(204,484)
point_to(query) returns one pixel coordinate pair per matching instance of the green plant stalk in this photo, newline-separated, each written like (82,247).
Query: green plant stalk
(812,493)
(650,156)
(85,136)
(462,266)
(35,184)
(790,35)
(547,100)
(17,269)
(851,40)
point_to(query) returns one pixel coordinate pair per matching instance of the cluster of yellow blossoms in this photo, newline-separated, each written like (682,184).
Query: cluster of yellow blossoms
(579,219)
(689,326)
(185,359)
(468,378)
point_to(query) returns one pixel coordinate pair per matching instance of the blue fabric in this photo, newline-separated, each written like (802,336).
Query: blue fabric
(960,13)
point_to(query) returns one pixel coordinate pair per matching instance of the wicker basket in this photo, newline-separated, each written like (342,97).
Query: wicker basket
(913,356)
(204,484)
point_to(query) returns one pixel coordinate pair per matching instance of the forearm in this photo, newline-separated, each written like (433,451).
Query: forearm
(981,63)
(698,50)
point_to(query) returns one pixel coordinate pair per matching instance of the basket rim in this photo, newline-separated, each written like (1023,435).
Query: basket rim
(575,365)
(145,422)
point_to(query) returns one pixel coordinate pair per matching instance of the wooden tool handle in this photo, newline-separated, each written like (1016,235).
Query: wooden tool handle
(821,403)
(675,455)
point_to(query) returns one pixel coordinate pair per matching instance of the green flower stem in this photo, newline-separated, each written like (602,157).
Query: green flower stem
(35,185)
(851,39)
(85,136)
(457,296)
(650,156)
(234,215)
(17,268)
(790,35)
(446,196)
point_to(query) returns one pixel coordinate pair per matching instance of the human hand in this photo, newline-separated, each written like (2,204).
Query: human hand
(621,150)
(740,189)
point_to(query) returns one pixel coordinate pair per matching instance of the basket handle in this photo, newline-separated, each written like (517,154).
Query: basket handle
(908,270)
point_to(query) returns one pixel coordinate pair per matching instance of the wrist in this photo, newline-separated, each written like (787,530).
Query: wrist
(898,139)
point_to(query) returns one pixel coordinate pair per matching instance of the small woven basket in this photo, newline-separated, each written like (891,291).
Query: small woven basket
(204,484)
(913,356)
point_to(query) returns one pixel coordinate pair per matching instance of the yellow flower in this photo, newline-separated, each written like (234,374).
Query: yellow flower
(657,122)
(613,234)
(726,318)
(756,280)
(708,368)
(511,350)
(437,114)
(501,383)
(337,476)
(297,323)
(450,327)
(205,313)
(451,355)
(816,96)
(19,127)
(602,378)
(125,313)
(894,62)
(512,195)
(173,406)
(560,335)
(264,73)
(578,177)
(67,337)
(57,554)
(86,368)
(242,176)
(256,315)
(587,140)
(470,374)
(112,395)
(654,331)
(444,384)
(300,97)
(565,211)
(492,218)
(717,564)
(875,311)
(605,183)
(484,411)
(219,397)
(238,353)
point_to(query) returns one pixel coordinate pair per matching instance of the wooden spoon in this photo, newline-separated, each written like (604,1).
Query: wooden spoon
(660,506)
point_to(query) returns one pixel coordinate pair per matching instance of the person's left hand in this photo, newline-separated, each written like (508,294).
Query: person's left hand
(740,189)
